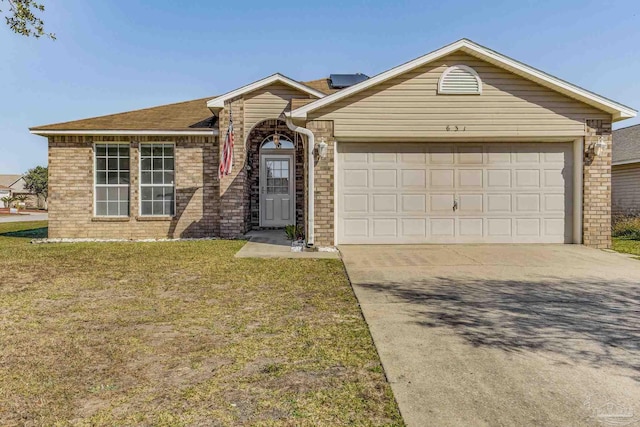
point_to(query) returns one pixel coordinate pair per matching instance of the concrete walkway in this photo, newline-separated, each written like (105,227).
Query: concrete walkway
(25,217)
(274,244)
(490,335)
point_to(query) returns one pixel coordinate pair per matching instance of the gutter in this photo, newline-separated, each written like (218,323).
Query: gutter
(311,172)
(206,132)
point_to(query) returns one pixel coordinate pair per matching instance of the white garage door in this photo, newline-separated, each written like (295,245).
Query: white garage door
(454,193)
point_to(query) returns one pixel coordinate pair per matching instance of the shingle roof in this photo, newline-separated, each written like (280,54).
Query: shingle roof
(7,180)
(626,144)
(188,115)
(181,116)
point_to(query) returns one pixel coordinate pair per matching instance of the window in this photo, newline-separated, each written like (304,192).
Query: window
(277,142)
(111,192)
(460,80)
(278,176)
(157,174)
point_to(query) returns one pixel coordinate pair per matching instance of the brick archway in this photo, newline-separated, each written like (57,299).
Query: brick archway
(258,134)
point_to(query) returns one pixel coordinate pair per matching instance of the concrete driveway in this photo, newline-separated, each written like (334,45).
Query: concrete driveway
(504,334)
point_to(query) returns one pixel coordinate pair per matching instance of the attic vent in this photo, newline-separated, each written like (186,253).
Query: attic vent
(460,80)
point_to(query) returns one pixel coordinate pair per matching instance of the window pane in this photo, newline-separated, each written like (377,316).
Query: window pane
(157,150)
(157,163)
(157,177)
(112,208)
(145,178)
(145,150)
(124,150)
(101,194)
(124,163)
(168,150)
(112,193)
(168,208)
(124,208)
(168,164)
(158,193)
(113,178)
(124,178)
(112,164)
(101,178)
(147,193)
(101,150)
(146,163)
(157,208)
(168,193)
(146,208)
(101,163)
(112,150)
(101,208)
(124,194)
(168,177)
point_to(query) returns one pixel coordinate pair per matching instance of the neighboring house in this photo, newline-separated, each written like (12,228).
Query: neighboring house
(4,192)
(14,185)
(625,172)
(460,145)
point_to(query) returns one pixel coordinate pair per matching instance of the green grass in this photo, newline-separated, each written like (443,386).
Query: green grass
(627,245)
(180,333)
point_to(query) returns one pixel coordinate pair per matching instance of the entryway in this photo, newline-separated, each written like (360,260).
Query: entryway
(277,189)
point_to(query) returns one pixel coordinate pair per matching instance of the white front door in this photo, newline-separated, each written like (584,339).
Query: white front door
(277,201)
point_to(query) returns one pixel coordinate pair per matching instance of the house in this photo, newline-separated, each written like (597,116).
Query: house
(461,145)
(12,185)
(625,171)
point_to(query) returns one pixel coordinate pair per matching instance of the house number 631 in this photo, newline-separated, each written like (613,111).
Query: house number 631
(456,128)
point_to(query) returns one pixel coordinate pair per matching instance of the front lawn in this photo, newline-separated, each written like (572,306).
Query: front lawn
(627,245)
(180,333)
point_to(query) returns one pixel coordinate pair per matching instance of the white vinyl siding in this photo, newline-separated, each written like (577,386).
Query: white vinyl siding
(625,189)
(111,180)
(454,193)
(268,103)
(409,107)
(157,180)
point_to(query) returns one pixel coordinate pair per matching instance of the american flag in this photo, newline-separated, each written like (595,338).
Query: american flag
(226,160)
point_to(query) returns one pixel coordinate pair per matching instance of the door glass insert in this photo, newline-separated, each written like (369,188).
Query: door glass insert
(277,176)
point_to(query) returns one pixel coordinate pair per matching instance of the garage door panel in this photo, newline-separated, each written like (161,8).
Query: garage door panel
(406,193)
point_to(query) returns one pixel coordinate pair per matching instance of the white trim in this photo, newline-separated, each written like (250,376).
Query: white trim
(95,180)
(466,68)
(209,132)
(578,156)
(335,193)
(175,185)
(618,111)
(275,78)
(311,192)
(625,162)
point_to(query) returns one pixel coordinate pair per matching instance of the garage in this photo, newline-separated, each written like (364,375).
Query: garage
(399,193)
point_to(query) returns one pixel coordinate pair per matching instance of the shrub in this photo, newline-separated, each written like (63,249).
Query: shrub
(294,232)
(626,226)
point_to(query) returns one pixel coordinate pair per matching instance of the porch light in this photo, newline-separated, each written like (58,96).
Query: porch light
(322,148)
(600,146)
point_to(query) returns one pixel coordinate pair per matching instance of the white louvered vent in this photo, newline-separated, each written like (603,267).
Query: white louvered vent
(460,80)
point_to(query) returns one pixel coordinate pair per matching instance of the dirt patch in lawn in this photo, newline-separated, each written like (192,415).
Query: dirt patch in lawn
(181,333)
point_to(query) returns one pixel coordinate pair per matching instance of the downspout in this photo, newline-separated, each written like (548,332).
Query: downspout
(311,190)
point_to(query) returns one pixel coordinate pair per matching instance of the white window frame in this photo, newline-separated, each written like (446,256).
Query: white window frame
(470,70)
(95,178)
(140,184)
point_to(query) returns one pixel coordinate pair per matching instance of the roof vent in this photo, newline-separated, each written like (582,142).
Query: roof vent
(340,81)
(460,80)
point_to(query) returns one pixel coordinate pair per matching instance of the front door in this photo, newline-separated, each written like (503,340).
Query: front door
(277,201)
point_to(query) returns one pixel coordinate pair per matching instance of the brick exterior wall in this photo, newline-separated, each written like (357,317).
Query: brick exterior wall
(597,187)
(254,140)
(324,185)
(71,194)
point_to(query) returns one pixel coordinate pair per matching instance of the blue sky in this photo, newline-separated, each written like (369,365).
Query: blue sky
(122,55)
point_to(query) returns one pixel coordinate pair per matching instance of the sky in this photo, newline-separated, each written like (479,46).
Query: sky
(121,55)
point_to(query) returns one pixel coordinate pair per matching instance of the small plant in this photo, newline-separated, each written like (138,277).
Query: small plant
(20,200)
(7,200)
(626,226)
(294,232)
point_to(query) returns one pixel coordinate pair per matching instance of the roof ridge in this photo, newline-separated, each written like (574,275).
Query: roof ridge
(627,127)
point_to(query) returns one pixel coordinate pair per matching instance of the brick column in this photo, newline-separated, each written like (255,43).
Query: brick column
(597,186)
(233,188)
(324,223)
